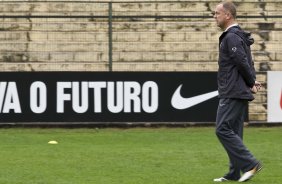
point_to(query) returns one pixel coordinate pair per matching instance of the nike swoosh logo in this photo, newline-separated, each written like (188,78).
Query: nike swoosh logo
(178,102)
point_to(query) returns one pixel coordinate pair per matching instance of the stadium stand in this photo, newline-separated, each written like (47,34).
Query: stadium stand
(133,36)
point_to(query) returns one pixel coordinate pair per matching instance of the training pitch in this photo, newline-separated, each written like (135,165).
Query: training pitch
(129,156)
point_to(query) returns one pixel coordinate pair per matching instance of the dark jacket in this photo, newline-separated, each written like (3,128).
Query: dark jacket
(236,73)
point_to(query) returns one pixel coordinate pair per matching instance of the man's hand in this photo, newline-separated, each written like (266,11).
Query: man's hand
(256,87)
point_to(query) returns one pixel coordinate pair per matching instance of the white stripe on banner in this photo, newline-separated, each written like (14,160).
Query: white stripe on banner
(274,96)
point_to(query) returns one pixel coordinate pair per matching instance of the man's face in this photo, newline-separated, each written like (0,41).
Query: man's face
(220,16)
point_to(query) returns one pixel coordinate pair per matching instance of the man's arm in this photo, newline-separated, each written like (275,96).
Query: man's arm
(239,57)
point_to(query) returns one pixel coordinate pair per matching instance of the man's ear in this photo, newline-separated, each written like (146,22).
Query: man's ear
(228,15)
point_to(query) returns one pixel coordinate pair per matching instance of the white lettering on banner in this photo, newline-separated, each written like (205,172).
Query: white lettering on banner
(38,97)
(61,96)
(9,100)
(97,86)
(77,97)
(115,97)
(129,96)
(150,91)
(2,93)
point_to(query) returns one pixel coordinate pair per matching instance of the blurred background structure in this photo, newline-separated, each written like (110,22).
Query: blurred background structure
(138,35)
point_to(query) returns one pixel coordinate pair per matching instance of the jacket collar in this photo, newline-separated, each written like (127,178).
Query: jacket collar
(233,25)
(227,30)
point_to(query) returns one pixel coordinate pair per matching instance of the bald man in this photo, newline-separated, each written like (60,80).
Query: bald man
(236,86)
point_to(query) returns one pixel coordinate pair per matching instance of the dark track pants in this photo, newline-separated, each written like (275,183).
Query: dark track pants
(229,130)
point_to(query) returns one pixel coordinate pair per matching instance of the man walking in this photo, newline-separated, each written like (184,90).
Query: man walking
(236,85)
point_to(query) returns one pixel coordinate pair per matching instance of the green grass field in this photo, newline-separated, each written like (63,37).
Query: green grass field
(129,156)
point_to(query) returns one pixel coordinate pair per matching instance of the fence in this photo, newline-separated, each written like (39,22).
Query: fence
(180,35)
(132,36)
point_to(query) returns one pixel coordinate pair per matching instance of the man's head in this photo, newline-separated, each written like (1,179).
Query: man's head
(225,14)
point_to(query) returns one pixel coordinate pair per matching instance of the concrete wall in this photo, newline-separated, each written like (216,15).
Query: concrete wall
(73,36)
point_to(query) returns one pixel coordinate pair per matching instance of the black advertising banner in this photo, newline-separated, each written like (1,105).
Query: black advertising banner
(108,96)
